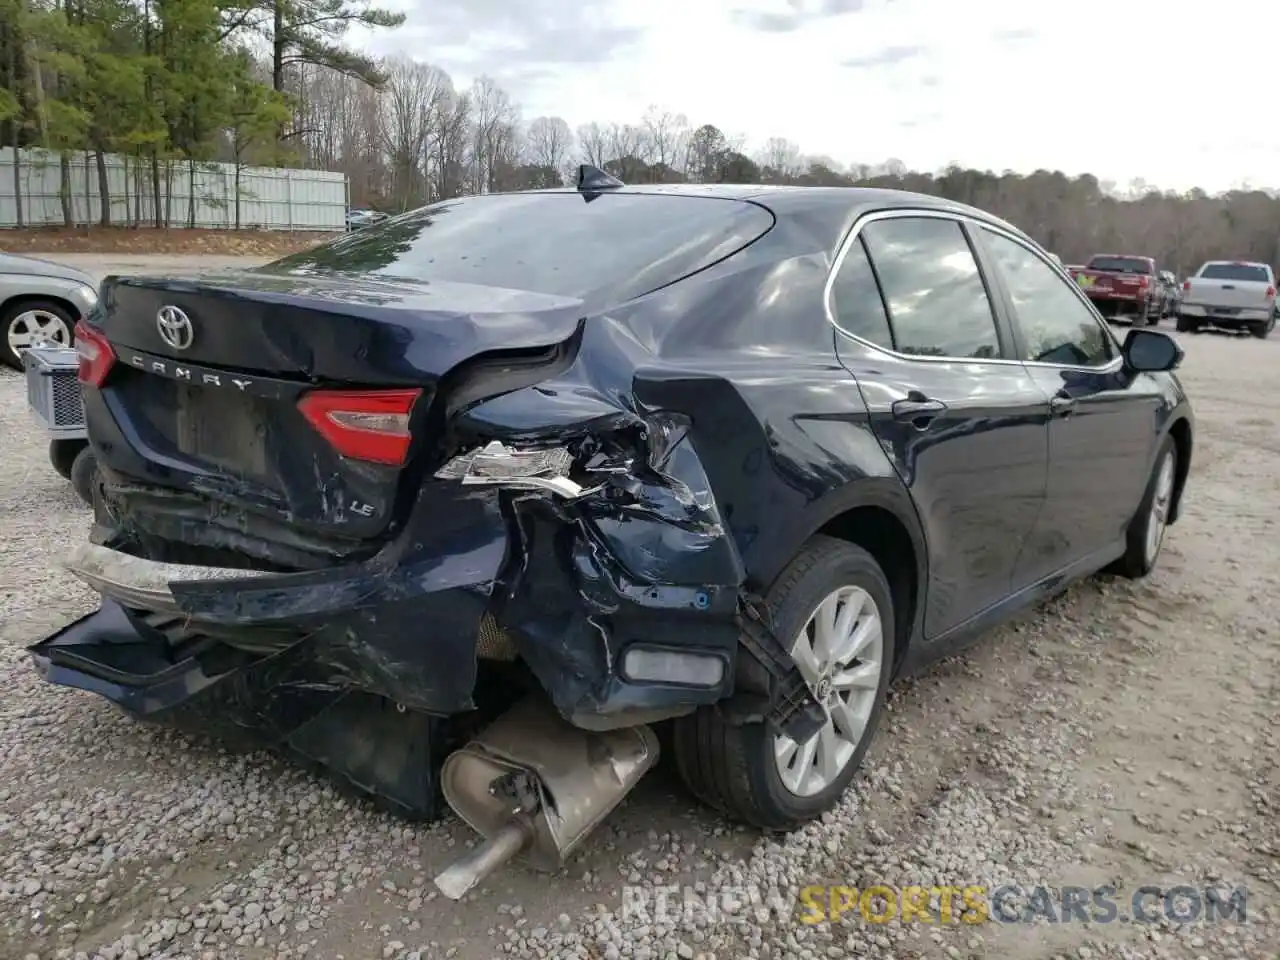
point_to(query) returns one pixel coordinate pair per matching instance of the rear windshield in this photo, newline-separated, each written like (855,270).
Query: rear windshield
(1120,264)
(1234,271)
(564,244)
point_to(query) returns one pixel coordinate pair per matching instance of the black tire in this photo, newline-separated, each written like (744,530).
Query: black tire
(84,475)
(63,453)
(732,767)
(1263,330)
(1139,559)
(1187,325)
(10,314)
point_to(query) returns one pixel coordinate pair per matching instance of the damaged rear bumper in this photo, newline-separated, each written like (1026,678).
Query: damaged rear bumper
(502,577)
(406,631)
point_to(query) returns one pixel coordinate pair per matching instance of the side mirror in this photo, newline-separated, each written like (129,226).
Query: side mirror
(1147,351)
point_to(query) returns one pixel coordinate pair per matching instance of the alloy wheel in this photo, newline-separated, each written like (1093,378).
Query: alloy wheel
(37,328)
(839,653)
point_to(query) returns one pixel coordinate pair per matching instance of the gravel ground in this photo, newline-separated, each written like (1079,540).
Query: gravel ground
(1125,734)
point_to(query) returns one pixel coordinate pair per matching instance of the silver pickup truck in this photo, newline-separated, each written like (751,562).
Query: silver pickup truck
(1232,295)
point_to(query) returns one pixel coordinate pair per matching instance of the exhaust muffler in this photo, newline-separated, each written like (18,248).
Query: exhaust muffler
(534,786)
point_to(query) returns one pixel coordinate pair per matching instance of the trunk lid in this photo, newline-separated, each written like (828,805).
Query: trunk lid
(336,327)
(215,437)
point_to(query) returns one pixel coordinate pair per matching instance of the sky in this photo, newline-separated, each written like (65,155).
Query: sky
(1174,95)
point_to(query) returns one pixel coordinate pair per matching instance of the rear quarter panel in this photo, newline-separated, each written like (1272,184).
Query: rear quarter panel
(779,424)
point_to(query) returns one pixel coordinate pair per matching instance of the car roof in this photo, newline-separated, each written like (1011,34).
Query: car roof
(853,202)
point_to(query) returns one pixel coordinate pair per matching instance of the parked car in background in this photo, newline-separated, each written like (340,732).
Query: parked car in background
(358,219)
(725,456)
(1170,292)
(1231,295)
(1123,287)
(40,304)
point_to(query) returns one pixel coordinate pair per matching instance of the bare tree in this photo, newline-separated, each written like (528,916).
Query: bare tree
(339,121)
(666,133)
(593,141)
(549,143)
(495,122)
(409,100)
(450,145)
(628,140)
(780,160)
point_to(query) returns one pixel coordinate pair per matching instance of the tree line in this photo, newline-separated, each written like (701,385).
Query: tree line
(170,84)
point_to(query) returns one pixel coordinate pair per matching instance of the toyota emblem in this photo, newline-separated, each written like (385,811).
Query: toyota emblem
(175,327)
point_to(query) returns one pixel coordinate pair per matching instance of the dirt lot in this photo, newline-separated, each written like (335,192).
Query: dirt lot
(1127,734)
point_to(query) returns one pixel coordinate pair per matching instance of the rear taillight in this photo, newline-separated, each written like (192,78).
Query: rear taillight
(1271,292)
(96,356)
(368,425)
(1143,281)
(1186,286)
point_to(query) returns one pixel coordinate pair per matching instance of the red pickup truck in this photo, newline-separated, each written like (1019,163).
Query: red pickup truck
(1123,287)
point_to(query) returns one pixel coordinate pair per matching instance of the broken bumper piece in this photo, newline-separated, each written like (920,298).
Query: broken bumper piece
(283,701)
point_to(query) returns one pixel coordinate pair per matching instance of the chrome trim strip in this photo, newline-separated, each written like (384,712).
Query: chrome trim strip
(136,582)
(899,213)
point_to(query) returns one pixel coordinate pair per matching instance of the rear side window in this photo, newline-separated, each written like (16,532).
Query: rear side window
(611,246)
(1235,271)
(937,303)
(1120,265)
(855,299)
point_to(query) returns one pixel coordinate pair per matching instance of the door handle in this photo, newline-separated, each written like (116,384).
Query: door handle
(1061,404)
(920,410)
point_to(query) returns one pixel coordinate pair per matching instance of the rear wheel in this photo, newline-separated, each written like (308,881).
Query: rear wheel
(84,475)
(1187,325)
(63,453)
(1145,536)
(834,606)
(1263,330)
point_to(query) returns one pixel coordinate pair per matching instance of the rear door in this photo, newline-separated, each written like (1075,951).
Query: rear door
(1102,429)
(962,423)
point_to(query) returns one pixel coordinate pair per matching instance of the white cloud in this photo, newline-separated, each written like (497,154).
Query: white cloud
(1121,88)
